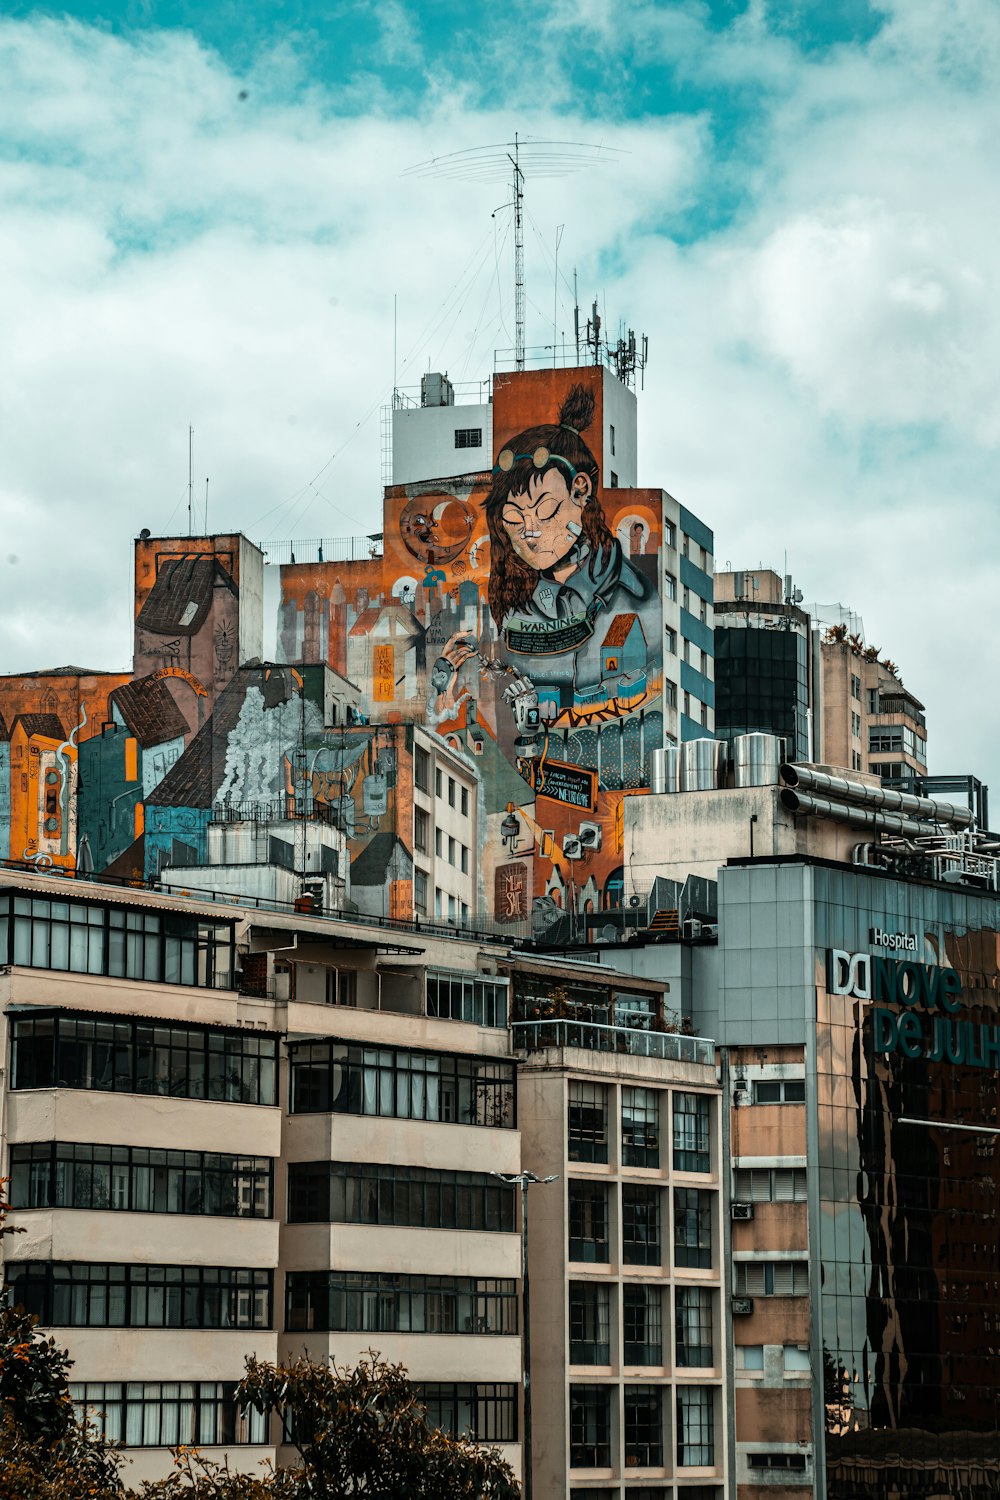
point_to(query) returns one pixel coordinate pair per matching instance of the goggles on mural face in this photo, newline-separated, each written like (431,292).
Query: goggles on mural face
(541,458)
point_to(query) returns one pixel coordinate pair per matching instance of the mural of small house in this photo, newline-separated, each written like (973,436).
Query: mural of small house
(623,658)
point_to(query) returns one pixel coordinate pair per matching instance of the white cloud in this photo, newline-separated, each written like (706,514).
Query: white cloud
(823,366)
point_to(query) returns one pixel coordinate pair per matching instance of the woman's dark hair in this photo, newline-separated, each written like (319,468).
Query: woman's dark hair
(512,581)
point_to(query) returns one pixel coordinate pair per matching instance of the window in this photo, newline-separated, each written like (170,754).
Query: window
(641,1226)
(795,1461)
(438,782)
(642,1324)
(670,639)
(139,1179)
(451,850)
(612,426)
(749,1356)
(771,1278)
(872,696)
(421,770)
(669,534)
(82,937)
(438,842)
(670,693)
(589,1323)
(693,1327)
(686,705)
(464,997)
(692,1228)
(779,1091)
(643,1426)
(587,1121)
(855,686)
(152,1414)
(704,715)
(451,791)
(486,1413)
(468,437)
(669,586)
(465,859)
(79,1295)
(796,1360)
(421,829)
(685,650)
(589,1426)
(691,1133)
(614,480)
(640,1127)
(370,1302)
(695,1426)
(703,611)
(420,891)
(56,1049)
(465,801)
(770,1185)
(423,1197)
(348,1078)
(588,1221)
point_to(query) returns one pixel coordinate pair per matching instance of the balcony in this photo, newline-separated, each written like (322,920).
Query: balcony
(541,1036)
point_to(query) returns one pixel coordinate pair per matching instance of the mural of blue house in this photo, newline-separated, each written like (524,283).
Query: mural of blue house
(623,658)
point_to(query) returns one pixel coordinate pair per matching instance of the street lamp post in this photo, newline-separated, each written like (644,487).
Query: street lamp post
(524,1180)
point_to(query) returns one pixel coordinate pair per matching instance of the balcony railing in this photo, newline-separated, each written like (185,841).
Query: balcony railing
(538,1036)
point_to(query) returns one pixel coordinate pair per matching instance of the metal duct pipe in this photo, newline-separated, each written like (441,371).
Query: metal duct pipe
(927,808)
(857,817)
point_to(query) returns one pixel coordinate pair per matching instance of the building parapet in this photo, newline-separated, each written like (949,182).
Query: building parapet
(673,1046)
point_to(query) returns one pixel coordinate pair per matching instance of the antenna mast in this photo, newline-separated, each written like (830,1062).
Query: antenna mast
(190,481)
(518,255)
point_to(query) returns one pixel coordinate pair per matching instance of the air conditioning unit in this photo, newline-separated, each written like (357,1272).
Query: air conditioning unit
(741,1306)
(314,891)
(691,927)
(590,835)
(571,846)
(710,930)
(741,1211)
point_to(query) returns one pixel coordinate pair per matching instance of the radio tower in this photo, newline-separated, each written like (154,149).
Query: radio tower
(518,256)
(493,164)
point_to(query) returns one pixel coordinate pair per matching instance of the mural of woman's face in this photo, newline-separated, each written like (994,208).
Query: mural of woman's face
(543,524)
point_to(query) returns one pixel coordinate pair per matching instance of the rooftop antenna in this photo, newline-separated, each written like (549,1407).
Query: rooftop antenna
(529,158)
(555,295)
(576,317)
(190,481)
(206,505)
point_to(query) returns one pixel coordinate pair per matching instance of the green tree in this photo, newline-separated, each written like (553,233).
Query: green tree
(359,1432)
(45,1453)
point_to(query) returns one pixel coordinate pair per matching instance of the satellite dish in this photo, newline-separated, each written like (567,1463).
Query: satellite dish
(145,534)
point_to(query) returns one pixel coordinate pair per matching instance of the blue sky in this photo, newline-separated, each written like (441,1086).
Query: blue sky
(204,220)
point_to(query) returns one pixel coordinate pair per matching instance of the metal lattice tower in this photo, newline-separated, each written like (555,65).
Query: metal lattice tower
(518,187)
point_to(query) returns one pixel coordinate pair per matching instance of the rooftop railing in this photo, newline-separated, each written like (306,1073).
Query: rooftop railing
(325,549)
(674,1046)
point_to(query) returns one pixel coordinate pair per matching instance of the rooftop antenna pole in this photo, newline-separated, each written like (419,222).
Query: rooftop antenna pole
(394,330)
(190,481)
(206,505)
(555,294)
(576,317)
(518,255)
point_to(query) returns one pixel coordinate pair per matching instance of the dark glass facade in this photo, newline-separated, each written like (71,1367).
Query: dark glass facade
(762,684)
(908,1180)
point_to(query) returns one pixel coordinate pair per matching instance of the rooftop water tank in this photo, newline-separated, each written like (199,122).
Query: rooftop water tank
(756,759)
(702,765)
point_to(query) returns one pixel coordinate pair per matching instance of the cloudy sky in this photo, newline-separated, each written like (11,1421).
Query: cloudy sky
(204,220)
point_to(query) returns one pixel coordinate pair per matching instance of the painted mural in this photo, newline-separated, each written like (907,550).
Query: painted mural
(512,616)
(517,615)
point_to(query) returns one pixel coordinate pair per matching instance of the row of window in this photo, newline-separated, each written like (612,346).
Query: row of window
(450,848)
(642,1325)
(84,937)
(642,1422)
(771,1278)
(641,1239)
(79,1295)
(422,1197)
(144,1414)
(82,1295)
(461,997)
(587,1126)
(138,1179)
(372,1302)
(335,1077)
(60,1050)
